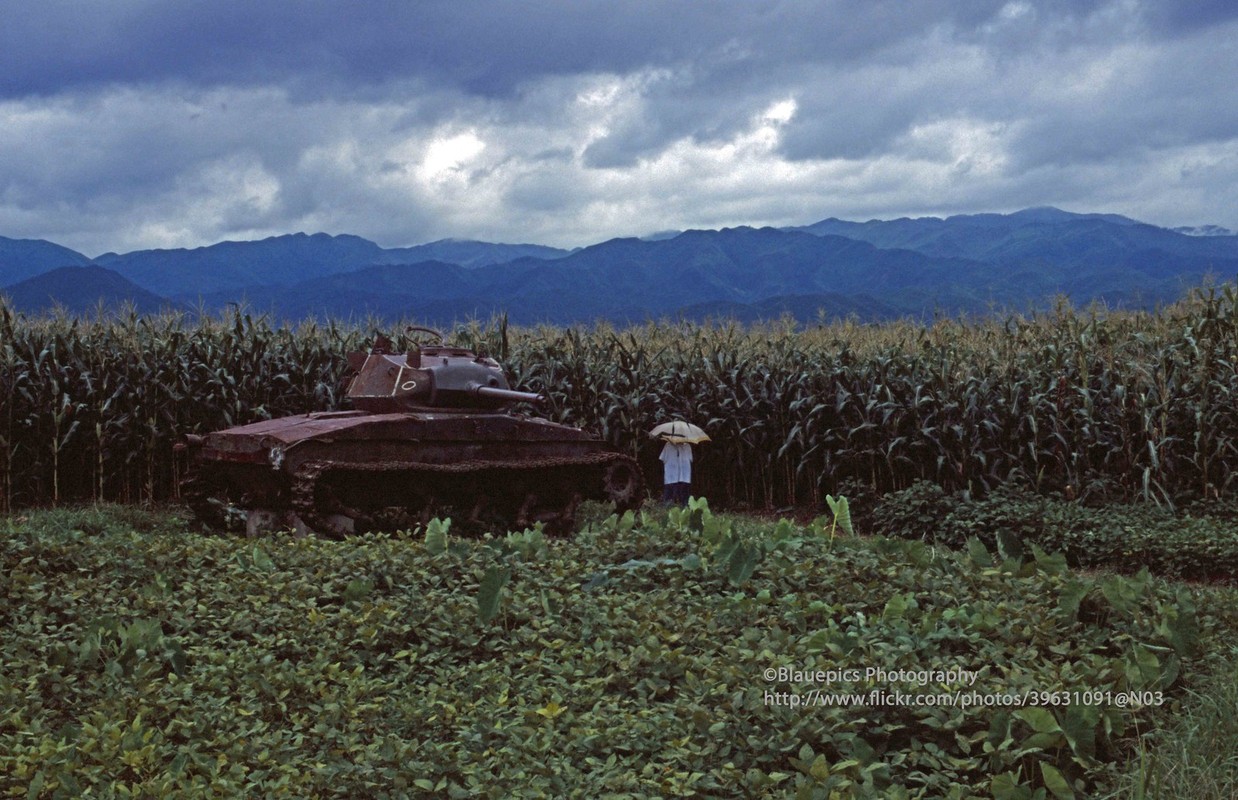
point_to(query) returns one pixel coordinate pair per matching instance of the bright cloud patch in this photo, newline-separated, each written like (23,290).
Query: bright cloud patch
(447,157)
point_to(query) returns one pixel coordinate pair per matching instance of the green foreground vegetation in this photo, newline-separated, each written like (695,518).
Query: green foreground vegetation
(142,658)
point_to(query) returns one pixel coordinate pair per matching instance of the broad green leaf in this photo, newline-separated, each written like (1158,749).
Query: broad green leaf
(436,536)
(1006,786)
(1040,719)
(1055,782)
(491,591)
(262,561)
(1009,545)
(1070,597)
(742,563)
(978,553)
(842,513)
(1079,724)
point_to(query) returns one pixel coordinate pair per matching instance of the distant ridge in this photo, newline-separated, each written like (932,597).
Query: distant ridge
(973,264)
(25,258)
(81,290)
(468,253)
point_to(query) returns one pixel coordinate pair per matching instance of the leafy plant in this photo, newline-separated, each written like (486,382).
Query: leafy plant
(842,514)
(373,667)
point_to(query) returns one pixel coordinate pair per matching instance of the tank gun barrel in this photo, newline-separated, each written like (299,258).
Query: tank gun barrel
(507,394)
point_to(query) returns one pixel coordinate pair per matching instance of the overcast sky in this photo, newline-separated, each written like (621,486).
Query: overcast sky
(130,124)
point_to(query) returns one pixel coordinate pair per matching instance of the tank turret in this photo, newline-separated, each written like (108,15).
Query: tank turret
(429,377)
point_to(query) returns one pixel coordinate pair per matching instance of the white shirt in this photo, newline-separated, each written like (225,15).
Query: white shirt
(677,461)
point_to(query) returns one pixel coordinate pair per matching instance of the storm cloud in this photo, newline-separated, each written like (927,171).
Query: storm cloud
(177,124)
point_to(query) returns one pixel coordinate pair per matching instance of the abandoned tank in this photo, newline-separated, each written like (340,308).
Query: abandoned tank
(429,436)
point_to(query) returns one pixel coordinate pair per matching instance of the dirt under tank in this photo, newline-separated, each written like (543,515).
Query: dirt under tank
(429,436)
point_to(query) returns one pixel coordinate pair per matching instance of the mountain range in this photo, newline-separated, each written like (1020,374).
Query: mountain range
(880,269)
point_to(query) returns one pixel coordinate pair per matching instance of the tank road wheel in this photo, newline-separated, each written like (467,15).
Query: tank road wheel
(316,504)
(338,499)
(623,484)
(523,516)
(212,502)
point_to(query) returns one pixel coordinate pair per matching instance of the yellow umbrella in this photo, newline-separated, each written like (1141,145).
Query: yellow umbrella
(679,432)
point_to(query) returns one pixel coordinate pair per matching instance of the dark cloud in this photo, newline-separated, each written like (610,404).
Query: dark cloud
(150,123)
(484,48)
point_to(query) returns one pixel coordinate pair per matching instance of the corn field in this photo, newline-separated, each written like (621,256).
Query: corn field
(1108,406)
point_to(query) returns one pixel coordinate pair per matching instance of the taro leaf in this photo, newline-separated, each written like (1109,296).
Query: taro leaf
(1170,671)
(714,529)
(1079,725)
(1056,782)
(692,561)
(819,642)
(1050,564)
(261,560)
(436,536)
(1179,627)
(783,531)
(918,553)
(1006,786)
(999,730)
(1143,668)
(1122,594)
(1047,732)
(36,786)
(1040,719)
(1010,545)
(550,604)
(491,592)
(1072,595)
(726,548)
(741,564)
(842,513)
(978,553)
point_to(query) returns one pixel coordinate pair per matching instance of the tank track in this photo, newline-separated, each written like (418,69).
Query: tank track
(312,493)
(206,498)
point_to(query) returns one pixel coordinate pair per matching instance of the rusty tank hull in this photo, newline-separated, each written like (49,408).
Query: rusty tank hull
(338,473)
(428,439)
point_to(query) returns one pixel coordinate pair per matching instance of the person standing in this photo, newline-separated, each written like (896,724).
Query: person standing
(676,472)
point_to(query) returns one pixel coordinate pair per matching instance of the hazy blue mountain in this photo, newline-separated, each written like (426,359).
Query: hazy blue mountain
(282,260)
(756,272)
(1040,237)
(81,290)
(467,253)
(24,258)
(235,265)
(972,264)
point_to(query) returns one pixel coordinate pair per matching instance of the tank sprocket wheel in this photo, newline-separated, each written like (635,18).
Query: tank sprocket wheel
(623,484)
